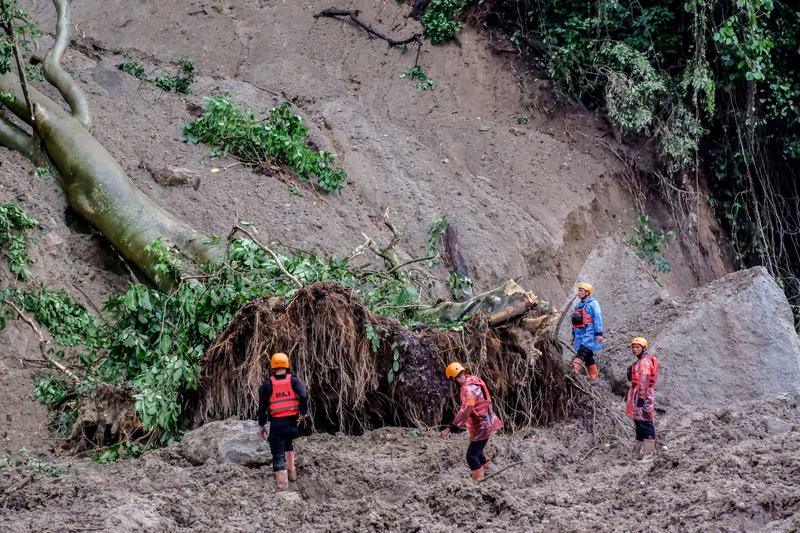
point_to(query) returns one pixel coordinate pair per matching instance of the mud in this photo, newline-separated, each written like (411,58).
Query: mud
(718,470)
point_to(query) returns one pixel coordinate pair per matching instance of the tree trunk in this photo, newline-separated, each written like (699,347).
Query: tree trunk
(500,305)
(99,190)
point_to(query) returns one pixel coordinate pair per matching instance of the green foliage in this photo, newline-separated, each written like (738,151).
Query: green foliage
(43,172)
(179,83)
(69,322)
(134,68)
(32,465)
(15,24)
(51,391)
(714,83)
(522,119)
(240,133)
(153,342)
(392,374)
(460,286)
(120,450)
(633,90)
(441,20)
(62,400)
(418,74)
(648,243)
(34,74)
(14,226)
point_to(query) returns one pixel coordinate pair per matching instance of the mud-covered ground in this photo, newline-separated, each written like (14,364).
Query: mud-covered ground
(733,469)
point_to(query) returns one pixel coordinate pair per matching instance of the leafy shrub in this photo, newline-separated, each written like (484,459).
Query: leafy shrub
(240,133)
(179,83)
(441,20)
(634,88)
(14,225)
(134,68)
(418,74)
(648,243)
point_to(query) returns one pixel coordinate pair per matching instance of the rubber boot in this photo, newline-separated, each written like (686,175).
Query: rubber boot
(290,467)
(636,451)
(593,372)
(281,480)
(577,365)
(487,465)
(648,450)
(477,474)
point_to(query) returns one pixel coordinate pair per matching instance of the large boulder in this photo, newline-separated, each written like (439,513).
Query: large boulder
(226,441)
(730,340)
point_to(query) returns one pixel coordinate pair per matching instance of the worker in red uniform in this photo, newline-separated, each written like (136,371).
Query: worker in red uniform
(640,402)
(476,414)
(283,400)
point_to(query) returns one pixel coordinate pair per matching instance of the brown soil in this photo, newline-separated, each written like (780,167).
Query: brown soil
(718,470)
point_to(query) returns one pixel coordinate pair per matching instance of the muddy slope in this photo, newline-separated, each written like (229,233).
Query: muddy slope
(734,469)
(533,198)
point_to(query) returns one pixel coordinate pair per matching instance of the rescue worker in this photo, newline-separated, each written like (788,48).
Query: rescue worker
(587,331)
(639,404)
(283,400)
(476,414)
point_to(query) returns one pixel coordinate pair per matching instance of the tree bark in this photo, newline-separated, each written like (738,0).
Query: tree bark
(99,190)
(499,305)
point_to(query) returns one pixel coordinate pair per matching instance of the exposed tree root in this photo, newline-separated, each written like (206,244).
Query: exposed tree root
(105,418)
(323,328)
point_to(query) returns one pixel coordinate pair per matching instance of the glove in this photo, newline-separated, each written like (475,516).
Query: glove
(640,402)
(629,373)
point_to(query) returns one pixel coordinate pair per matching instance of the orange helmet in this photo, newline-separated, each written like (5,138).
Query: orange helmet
(453,370)
(585,286)
(641,341)
(279,360)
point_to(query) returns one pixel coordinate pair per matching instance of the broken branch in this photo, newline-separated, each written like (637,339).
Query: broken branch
(269,251)
(353,15)
(42,342)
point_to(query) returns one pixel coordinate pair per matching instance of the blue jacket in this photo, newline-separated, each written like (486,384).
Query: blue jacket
(586,335)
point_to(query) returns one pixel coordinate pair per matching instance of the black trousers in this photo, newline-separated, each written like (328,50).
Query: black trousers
(475,457)
(585,355)
(282,432)
(644,430)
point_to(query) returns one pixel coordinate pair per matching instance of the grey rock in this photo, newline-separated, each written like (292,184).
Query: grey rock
(776,426)
(175,176)
(226,441)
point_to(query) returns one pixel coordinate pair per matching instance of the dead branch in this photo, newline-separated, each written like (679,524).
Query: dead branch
(353,14)
(390,259)
(42,342)
(60,78)
(490,476)
(269,251)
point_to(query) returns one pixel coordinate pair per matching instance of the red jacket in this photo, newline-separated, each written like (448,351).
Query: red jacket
(476,413)
(644,374)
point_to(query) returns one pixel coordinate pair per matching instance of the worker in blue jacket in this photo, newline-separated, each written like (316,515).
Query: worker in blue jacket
(587,331)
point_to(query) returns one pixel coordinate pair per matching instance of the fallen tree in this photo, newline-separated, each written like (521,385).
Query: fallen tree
(371,350)
(364,370)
